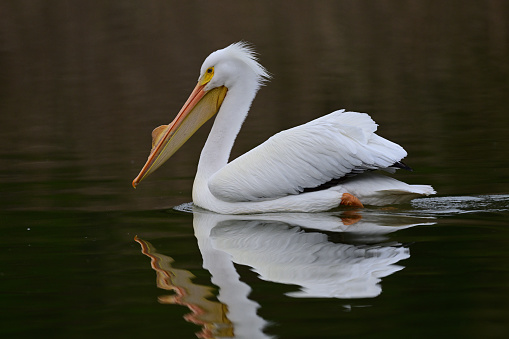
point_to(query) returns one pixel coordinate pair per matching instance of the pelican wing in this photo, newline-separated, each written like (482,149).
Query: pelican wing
(306,157)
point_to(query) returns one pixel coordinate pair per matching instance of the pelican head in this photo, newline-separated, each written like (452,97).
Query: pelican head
(233,67)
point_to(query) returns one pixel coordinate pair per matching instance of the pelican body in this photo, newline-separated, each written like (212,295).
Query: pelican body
(314,167)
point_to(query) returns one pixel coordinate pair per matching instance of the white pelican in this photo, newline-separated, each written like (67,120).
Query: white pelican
(313,167)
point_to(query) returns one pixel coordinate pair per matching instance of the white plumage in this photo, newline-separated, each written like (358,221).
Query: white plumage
(306,156)
(307,168)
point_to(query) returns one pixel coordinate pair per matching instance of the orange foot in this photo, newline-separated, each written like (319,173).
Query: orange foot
(349,200)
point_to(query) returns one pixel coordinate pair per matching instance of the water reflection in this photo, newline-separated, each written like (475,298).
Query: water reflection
(328,255)
(210,315)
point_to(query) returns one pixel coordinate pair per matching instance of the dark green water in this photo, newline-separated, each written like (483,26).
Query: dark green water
(82,85)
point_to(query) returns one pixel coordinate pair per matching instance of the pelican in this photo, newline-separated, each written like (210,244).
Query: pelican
(314,167)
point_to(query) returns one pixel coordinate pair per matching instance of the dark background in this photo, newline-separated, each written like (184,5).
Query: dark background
(83,83)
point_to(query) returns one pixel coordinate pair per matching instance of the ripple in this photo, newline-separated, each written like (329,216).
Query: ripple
(462,204)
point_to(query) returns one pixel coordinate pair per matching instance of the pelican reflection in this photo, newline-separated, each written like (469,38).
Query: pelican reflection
(330,255)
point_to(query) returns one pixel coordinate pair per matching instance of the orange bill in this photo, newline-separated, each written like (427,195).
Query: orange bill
(167,139)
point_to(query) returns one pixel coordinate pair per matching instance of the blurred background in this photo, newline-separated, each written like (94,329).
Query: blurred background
(83,83)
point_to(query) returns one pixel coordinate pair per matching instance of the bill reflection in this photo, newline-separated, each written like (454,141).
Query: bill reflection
(327,255)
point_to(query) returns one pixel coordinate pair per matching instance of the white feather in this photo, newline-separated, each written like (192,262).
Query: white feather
(272,176)
(306,156)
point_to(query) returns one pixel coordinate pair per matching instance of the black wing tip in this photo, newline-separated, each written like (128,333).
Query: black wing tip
(402,165)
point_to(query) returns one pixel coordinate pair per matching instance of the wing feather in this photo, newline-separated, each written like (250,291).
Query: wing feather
(305,157)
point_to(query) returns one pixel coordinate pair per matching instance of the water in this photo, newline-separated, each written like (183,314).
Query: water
(84,84)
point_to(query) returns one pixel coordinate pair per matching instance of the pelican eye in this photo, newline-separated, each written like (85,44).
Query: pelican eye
(207,76)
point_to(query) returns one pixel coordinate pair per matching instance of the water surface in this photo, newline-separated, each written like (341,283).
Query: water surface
(82,86)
